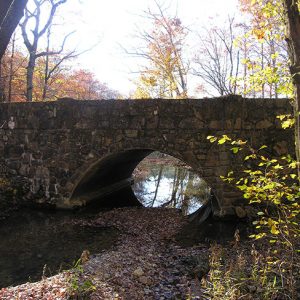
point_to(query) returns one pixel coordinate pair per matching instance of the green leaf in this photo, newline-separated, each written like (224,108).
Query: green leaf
(211,138)
(262,147)
(235,150)
(278,166)
(223,139)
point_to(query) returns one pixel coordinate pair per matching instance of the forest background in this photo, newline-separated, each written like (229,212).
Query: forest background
(48,56)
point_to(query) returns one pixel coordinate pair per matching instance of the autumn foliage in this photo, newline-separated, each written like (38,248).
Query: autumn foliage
(65,82)
(165,75)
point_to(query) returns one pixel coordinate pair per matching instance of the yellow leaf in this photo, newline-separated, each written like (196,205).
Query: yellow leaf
(274,230)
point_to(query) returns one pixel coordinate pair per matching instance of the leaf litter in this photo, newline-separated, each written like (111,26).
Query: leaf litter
(145,263)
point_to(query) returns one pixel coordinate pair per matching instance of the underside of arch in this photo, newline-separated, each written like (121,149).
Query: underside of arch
(109,181)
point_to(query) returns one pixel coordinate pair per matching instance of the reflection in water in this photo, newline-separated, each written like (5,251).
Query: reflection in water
(163,181)
(35,240)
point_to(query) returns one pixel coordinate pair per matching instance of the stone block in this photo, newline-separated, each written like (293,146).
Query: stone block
(131,133)
(228,124)
(237,124)
(281,148)
(240,212)
(224,156)
(215,124)
(264,124)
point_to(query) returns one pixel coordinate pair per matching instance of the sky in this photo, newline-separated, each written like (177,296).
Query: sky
(110,26)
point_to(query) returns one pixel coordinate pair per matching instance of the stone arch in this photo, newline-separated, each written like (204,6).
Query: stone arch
(113,172)
(67,138)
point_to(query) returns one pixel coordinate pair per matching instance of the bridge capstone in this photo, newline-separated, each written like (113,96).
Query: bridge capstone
(68,152)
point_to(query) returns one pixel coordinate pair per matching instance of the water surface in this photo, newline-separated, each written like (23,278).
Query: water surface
(31,239)
(163,181)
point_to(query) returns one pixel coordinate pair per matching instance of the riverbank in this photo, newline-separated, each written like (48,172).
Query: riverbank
(145,263)
(148,263)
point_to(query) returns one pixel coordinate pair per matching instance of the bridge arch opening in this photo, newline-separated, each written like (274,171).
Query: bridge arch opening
(121,179)
(161,180)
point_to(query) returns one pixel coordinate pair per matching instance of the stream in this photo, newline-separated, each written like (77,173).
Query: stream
(36,243)
(33,241)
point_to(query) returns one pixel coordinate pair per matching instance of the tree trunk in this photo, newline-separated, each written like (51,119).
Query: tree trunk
(29,76)
(245,53)
(293,42)
(274,66)
(46,73)
(262,67)
(11,12)
(11,68)
(2,93)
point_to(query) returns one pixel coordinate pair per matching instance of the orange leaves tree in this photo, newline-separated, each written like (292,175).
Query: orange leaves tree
(12,76)
(165,75)
(78,84)
(83,85)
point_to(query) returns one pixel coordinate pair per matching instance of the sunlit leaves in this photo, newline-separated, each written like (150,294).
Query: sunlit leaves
(212,138)
(223,139)
(287,121)
(272,184)
(78,83)
(266,73)
(235,149)
(165,75)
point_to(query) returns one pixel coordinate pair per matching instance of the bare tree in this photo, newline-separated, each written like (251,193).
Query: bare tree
(217,61)
(37,32)
(52,68)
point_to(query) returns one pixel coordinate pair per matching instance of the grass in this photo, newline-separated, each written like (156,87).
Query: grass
(251,270)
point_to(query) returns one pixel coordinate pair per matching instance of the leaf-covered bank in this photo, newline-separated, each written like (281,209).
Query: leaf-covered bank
(148,263)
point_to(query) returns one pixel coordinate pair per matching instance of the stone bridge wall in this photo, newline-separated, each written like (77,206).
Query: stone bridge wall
(49,149)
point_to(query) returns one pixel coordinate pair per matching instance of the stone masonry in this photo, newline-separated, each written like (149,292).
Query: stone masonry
(54,152)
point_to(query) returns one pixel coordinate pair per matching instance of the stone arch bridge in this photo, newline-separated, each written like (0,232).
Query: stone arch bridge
(68,152)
